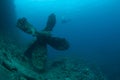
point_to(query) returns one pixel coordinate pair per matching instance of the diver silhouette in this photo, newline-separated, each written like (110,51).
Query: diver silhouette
(37,52)
(65,20)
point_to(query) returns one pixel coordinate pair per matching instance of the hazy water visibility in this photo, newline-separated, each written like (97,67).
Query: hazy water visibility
(93,30)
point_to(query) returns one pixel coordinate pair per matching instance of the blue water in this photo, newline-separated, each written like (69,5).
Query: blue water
(93,28)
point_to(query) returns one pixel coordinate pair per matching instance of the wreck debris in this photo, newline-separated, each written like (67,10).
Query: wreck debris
(37,52)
